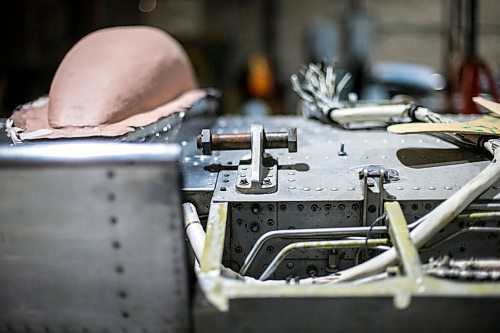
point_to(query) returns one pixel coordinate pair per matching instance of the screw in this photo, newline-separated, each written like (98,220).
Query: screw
(300,208)
(312,271)
(270,222)
(238,249)
(254,227)
(341,151)
(243,181)
(266,181)
(290,265)
(270,249)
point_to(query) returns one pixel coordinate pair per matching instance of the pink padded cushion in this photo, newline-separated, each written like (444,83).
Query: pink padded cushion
(115,73)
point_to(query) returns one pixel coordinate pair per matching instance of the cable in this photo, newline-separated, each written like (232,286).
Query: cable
(377,220)
(435,220)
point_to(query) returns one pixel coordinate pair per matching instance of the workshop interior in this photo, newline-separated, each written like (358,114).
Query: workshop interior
(249,166)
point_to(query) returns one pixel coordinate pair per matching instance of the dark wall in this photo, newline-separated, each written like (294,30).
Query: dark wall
(35,35)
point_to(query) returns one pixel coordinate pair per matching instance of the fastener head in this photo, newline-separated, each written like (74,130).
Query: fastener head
(342,150)
(292,140)
(205,142)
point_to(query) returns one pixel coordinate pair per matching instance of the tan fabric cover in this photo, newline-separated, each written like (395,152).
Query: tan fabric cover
(113,80)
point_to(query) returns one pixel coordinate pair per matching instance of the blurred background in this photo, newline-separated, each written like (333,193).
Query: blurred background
(249,49)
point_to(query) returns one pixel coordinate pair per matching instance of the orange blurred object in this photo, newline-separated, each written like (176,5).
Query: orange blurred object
(260,81)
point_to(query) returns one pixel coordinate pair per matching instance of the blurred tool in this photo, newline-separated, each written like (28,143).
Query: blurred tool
(472,68)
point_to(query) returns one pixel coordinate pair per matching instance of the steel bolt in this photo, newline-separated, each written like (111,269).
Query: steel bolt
(312,271)
(205,142)
(342,151)
(292,140)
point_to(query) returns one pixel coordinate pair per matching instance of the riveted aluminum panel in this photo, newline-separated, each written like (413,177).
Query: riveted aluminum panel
(91,239)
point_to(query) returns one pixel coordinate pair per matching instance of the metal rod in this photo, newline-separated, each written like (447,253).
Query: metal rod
(400,237)
(304,233)
(458,233)
(241,141)
(478,215)
(484,206)
(334,244)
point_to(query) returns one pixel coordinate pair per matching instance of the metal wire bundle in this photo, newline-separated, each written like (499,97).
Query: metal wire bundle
(317,86)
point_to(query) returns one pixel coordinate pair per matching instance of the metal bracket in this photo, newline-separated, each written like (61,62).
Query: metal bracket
(368,180)
(263,179)
(257,173)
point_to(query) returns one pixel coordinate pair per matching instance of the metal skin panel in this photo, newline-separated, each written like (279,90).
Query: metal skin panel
(429,168)
(327,188)
(92,248)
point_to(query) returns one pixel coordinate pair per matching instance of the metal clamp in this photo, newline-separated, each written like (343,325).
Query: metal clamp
(259,173)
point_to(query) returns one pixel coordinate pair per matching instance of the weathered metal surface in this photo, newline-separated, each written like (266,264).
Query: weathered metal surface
(320,188)
(220,291)
(92,239)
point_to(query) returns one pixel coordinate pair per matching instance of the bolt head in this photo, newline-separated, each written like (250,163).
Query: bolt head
(292,140)
(205,140)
